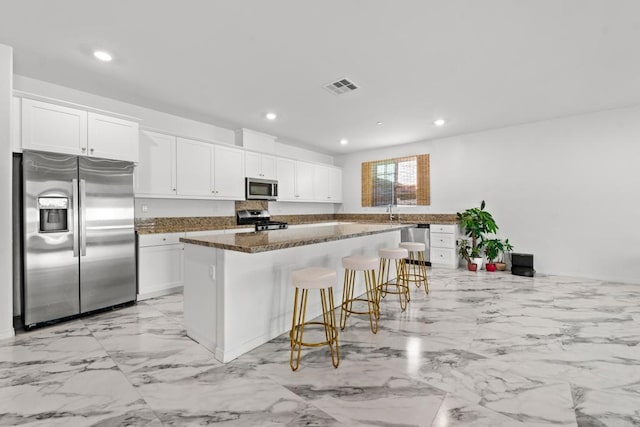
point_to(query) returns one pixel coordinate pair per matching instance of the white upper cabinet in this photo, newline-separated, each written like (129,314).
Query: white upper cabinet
(50,127)
(327,183)
(61,129)
(112,138)
(259,165)
(321,183)
(335,184)
(194,168)
(209,171)
(156,171)
(228,177)
(286,169)
(304,182)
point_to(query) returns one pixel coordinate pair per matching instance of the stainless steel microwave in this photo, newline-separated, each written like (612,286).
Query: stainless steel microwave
(261,189)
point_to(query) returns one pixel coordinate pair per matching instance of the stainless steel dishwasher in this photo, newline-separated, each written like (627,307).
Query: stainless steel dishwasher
(419,233)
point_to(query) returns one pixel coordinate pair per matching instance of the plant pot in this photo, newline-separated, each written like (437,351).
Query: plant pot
(501,266)
(472,267)
(478,261)
(490,266)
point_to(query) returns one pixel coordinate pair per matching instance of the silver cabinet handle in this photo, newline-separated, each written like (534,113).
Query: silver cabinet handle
(84,149)
(74,195)
(91,151)
(83,218)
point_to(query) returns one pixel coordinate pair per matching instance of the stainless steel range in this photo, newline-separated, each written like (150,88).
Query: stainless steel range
(261,219)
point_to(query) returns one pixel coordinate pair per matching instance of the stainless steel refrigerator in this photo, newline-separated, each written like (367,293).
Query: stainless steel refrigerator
(79,237)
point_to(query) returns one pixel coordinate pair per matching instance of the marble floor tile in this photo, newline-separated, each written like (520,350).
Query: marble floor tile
(481,349)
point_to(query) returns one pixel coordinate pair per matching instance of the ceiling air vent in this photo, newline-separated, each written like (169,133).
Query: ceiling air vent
(341,86)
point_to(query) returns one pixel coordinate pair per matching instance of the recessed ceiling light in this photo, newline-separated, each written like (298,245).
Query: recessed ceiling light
(102,55)
(271,116)
(378,123)
(344,141)
(439,122)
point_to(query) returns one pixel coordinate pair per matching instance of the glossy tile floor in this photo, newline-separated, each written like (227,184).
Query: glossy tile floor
(483,349)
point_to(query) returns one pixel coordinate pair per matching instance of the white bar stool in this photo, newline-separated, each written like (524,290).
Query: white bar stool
(416,268)
(313,278)
(368,266)
(398,255)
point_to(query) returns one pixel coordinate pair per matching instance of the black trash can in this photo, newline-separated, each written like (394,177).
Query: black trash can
(522,265)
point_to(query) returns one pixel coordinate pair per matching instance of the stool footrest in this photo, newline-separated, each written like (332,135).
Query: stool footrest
(326,326)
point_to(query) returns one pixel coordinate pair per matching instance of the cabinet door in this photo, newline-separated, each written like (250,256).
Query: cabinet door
(156,171)
(49,127)
(268,167)
(194,168)
(286,174)
(228,173)
(335,185)
(159,269)
(321,183)
(112,138)
(252,164)
(304,181)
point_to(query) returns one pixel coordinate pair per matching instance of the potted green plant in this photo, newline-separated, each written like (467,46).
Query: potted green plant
(506,248)
(492,248)
(477,223)
(464,250)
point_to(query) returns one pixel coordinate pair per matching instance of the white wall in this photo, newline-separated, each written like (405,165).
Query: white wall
(6,245)
(286,150)
(566,190)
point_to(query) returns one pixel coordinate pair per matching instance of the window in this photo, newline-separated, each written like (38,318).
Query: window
(402,181)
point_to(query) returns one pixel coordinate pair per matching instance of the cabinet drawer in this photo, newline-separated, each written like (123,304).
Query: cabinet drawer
(440,256)
(160,239)
(443,228)
(443,240)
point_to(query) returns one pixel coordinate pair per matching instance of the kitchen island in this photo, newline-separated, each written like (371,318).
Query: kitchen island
(237,290)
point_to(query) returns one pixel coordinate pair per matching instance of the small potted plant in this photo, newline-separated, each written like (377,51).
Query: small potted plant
(492,248)
(477,223)
(464,250)
(506,248)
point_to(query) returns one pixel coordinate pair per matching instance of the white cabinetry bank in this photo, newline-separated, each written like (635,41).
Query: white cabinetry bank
(47,126)
(175,167)
(237,291)
(443,245)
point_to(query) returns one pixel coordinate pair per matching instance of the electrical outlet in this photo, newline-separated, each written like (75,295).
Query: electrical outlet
(144,208)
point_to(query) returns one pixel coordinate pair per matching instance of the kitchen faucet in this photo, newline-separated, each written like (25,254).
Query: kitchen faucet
(390,210)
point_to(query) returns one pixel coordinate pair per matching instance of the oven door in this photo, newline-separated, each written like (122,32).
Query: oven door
(261,189)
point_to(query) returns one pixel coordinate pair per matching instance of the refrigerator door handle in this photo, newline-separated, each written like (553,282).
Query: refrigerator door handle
(83,218)
(74,186)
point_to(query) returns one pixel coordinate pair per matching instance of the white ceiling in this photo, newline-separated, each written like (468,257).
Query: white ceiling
(478,64)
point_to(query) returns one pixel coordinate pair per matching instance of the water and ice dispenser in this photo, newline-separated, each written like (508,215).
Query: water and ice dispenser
(53,214)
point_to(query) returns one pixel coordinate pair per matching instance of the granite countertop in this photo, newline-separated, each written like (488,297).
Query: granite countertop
(179,224)
(264,241)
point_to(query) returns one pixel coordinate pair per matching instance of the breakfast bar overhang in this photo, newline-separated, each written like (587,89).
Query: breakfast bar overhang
(237,292)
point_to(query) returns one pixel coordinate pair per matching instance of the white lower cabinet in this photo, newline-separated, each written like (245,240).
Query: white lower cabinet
(443,245)
(160,261)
